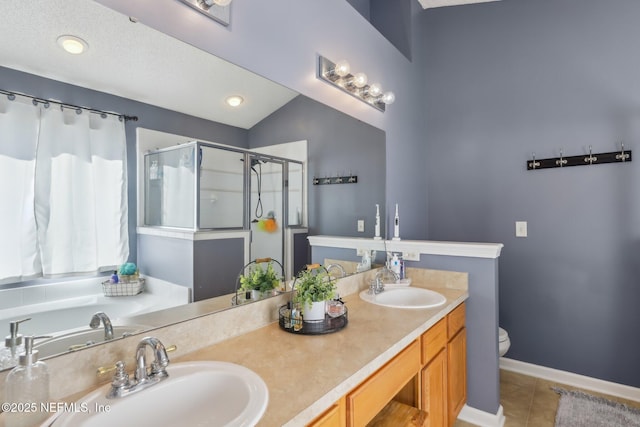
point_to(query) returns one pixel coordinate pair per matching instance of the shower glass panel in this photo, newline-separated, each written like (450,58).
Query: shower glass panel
(266,203)
(221,188)
(295,195)
(237,189)
(169,187)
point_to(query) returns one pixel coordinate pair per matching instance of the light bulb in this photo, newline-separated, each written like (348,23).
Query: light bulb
(72,44)
(234,100)
(388,98)
(342,68)
(359,80)
(375,90)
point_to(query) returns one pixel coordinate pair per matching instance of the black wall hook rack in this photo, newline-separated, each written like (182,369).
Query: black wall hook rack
(350,179)
(621,156)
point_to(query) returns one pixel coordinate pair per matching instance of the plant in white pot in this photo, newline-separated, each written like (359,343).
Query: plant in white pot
(260,281)
(313,287)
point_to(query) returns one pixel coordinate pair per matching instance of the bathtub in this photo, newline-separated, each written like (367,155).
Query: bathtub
(60,308)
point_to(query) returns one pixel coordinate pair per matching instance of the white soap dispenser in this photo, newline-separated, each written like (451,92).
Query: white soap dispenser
(13,346)
(27,386)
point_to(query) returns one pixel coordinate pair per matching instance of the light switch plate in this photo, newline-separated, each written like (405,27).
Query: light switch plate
(361,225)
(521,228)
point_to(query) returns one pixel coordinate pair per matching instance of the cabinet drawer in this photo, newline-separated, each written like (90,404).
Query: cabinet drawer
(332,417)
(455,320)
(364,403)
(434,340)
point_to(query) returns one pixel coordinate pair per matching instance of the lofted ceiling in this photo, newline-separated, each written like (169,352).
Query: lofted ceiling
(130,60)
(440,3)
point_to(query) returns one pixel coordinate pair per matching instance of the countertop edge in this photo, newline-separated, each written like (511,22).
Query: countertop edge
(321,405)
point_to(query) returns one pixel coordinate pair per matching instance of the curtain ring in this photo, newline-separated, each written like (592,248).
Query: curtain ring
(11,97)
(103,115)
(78,111)
(46,104)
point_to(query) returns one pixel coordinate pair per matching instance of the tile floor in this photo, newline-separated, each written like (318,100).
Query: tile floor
(530,402)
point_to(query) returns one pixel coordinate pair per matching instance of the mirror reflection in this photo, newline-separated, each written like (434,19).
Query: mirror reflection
(186,274)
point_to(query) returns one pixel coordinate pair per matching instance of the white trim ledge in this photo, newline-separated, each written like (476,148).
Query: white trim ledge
(571,379)
(482,418)
(422,247)
(178,233)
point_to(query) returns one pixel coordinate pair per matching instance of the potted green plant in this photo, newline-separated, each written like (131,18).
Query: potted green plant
(313,287)
(260,281)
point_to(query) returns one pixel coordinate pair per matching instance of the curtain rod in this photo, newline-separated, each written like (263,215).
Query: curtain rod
(12,95)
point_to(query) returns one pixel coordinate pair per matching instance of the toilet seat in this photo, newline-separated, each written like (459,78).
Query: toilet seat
(502,335)
(503,342)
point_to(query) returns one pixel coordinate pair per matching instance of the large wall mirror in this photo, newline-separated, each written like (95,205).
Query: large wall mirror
(175,88)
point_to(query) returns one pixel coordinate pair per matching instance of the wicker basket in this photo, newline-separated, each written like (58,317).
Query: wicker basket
(125,288)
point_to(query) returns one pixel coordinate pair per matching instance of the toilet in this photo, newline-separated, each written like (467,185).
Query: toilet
(503,342)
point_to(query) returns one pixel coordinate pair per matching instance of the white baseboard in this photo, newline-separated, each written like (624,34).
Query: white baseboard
(482,418)
(571,379)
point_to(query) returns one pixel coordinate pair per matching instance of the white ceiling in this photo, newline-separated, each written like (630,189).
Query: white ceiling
(130,60)
(440,3)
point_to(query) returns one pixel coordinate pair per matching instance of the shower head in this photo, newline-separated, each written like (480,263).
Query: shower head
(255,162)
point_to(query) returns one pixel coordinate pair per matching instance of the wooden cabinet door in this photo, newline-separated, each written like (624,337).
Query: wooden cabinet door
(457,374)
(434,390)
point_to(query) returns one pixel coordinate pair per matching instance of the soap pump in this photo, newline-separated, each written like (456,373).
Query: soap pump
(13,345)
(27,385)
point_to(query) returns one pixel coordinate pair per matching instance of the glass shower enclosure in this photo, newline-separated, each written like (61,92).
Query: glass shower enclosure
(200,186)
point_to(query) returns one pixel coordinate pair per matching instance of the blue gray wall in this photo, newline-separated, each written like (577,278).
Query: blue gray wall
(337,144)
(509,78)
(284,47)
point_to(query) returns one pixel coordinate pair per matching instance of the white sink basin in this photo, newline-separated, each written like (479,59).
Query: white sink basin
(195,394)
(405,297)
(81,339)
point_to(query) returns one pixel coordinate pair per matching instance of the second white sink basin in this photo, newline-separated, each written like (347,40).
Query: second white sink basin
(195,394)
(405,297)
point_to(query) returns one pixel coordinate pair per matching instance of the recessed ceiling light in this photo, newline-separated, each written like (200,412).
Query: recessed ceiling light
(234,100)
(72,44)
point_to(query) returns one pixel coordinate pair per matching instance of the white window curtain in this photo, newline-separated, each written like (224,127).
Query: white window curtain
(66,177)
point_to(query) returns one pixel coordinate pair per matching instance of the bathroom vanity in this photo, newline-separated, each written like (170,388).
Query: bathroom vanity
(315,379)
(346,378)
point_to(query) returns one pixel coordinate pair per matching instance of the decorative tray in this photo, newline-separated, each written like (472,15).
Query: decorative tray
(311,327)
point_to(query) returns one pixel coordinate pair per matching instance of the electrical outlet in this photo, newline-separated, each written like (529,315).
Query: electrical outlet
(361,225)
(521,228)
(411,256)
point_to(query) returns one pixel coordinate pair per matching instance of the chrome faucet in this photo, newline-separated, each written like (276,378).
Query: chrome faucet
(339,267)
(159,364)
(377,285)
(101,317)
(122,386)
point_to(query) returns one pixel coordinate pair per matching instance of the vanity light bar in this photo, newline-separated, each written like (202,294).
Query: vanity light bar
(338,75)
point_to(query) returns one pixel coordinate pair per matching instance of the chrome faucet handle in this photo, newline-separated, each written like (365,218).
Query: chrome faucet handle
(120,381)
(373,286)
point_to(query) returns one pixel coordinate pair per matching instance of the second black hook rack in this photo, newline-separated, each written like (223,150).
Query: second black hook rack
(621,156)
